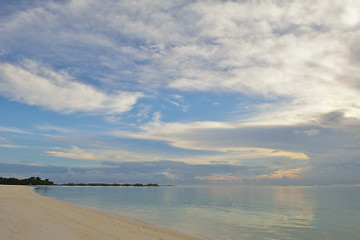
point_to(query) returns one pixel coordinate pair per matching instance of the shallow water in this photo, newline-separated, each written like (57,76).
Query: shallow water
(228,212)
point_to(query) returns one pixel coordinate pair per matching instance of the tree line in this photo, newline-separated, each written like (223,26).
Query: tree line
(28,181)
(112,184)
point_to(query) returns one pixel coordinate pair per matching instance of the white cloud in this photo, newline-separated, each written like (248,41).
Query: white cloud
(100,152)
(297,55)
(50,128)
(57,91)
(4,143)
(271,50)
(233,140)
(167,173)
(76,153)
(178,101)
(218,177)
(15,130)
(12,146)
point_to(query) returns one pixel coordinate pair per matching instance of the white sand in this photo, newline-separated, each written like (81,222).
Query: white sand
(25,215)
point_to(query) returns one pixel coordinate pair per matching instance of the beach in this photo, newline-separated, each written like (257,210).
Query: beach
(24,215)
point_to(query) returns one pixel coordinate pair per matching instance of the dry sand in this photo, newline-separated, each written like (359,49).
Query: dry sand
(24,215)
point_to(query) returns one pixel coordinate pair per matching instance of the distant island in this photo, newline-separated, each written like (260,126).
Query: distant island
(28,181)
(39,181)
(112,184)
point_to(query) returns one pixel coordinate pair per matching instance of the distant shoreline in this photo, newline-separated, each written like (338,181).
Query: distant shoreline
(38,181)
(112,184)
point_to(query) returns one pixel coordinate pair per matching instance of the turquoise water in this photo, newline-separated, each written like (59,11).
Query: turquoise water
(224,212)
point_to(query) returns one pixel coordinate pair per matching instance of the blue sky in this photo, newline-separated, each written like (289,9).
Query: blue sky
(262,92)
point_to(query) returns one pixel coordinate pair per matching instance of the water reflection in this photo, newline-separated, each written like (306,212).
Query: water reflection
(293,208)
(245,212)
(225,211)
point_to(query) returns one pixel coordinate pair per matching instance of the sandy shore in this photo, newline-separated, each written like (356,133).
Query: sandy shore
(25,215)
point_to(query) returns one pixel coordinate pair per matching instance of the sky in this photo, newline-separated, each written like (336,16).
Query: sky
(180,92)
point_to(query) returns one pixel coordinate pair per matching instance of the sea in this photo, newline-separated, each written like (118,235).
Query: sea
(229,212)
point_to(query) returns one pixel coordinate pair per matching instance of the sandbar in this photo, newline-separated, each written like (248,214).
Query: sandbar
(24,215)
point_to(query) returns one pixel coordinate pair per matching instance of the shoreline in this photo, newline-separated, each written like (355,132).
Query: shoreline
(25,215)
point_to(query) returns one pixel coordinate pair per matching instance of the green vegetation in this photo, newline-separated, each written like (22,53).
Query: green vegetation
(29,181)
(39,181)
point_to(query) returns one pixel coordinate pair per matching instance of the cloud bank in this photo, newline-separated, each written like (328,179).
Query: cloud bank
(300,56)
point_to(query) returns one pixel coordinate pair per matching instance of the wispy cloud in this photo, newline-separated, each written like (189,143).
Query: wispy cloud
(213,136)
(103,153)
(48,127)
(57,91)
(14,130)
(217,177)
(12,146)
(75,153)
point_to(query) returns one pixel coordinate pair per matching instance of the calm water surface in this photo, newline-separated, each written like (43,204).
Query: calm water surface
(221,213)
